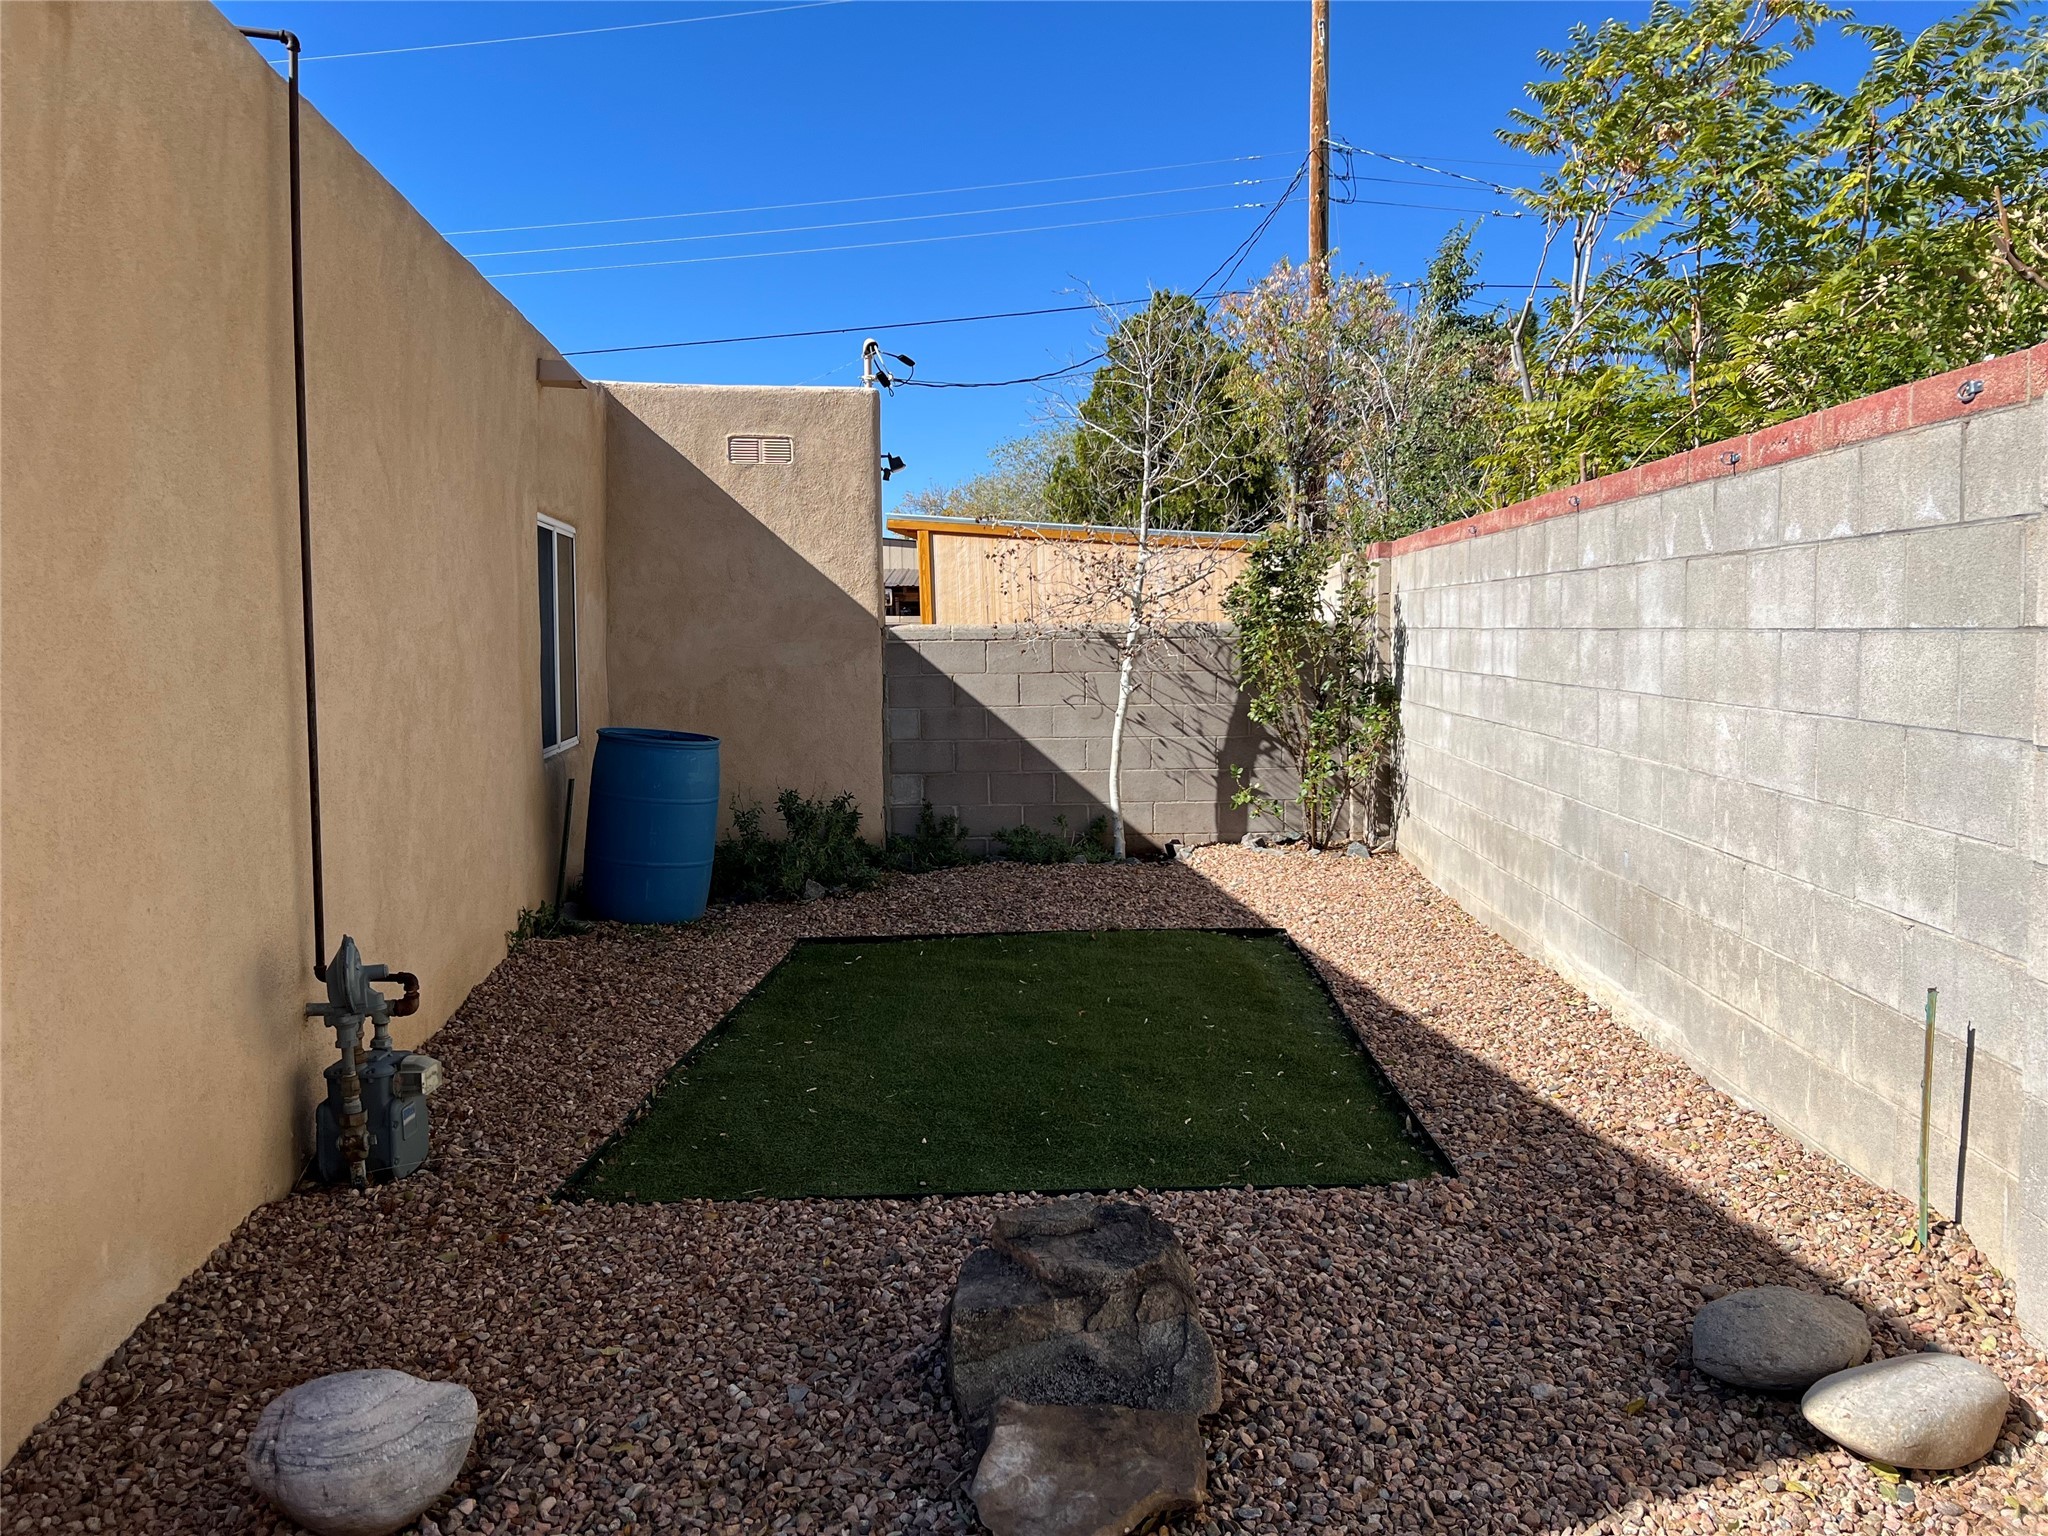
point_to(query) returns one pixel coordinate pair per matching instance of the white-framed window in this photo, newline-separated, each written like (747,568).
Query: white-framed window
(558,714)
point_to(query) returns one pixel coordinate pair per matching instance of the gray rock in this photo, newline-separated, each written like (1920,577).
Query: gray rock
(1054,1470)
(1772,1338)
(1927,1411)
(1077,1302)
(360,1453)
(813,891)
(1256,840)
(1358,850)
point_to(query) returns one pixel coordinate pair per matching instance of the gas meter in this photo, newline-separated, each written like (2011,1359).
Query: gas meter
(373,1122)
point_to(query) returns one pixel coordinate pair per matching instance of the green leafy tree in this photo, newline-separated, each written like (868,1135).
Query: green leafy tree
(1740,247)
(1448,401)
(1166,355)
(1309,667)
(1377,413)
(1312,342)
(1928,246)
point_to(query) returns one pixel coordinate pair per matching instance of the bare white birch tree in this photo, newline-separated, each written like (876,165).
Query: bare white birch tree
(1165,460)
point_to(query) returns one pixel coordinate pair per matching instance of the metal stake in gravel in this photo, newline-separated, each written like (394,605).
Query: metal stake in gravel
(1926,1115)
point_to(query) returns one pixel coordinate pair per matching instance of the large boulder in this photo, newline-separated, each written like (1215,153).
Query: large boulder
(1079,1302)
(360,1453)
(1772,1338)
(1053,1470)
(1927,1411)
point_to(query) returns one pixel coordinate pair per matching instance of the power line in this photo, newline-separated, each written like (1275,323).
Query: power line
(872,197)
(1380,202)
(875,327)
(1435,170)
(894,325)
(875,245)
(1388,181)
(1036,378)
(830,330)
(903,218)
(1243,248)
(885,197)
(541,37)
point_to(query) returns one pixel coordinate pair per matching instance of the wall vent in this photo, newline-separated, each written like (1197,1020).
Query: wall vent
(754,449)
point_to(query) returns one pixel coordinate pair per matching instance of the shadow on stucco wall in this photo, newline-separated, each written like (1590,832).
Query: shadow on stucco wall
(745,599)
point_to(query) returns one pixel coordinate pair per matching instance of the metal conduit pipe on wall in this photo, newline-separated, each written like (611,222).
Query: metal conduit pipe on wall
(290,41)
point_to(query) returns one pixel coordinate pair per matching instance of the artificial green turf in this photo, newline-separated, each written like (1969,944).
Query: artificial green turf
(1056,1061)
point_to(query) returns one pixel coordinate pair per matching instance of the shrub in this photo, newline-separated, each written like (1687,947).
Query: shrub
(1308,665)
(1028,845)
(822,842)
(545,921)
(939,842)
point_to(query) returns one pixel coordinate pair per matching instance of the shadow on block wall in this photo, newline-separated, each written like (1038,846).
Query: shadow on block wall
(1388,797)
(1509,1349)
(1004,730)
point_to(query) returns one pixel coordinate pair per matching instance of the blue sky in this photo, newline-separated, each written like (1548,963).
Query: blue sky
(875,100)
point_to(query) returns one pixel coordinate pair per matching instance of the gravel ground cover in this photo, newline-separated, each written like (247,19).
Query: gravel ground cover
(1503,1350)
(975,1064)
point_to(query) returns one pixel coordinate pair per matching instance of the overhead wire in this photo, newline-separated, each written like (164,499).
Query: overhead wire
(1237,256)
(1233,260)
(1036,378)
(1226,271)
(871,197)
(1434,170)
(875,245)
(830,330)
(541,37)
(851,330)
(1244,247)
(1382,202)
(901,218)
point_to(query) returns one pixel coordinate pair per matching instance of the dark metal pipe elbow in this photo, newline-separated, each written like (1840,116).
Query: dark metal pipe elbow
(410,1002)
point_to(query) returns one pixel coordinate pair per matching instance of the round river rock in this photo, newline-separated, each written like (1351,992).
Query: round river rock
(360,1453)
(1773,1338)
(1927,1411)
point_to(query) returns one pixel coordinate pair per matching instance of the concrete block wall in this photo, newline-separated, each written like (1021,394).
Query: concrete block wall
(1003,730)
(1759,753)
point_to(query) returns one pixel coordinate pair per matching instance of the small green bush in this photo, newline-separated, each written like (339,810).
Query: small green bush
(1029,845)
(542,922)
(822,843)
(939,842)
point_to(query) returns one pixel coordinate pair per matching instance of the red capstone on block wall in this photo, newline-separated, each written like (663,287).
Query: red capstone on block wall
(2013,379)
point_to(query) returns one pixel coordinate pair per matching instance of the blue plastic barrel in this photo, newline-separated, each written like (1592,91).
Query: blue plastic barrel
(653,823)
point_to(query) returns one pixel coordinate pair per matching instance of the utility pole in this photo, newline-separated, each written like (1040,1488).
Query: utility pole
(1319,147)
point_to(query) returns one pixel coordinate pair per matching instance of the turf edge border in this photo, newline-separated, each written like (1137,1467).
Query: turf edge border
(1417,1130)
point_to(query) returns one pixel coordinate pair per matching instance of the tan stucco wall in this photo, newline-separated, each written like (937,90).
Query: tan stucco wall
(155,923)
(746,599)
